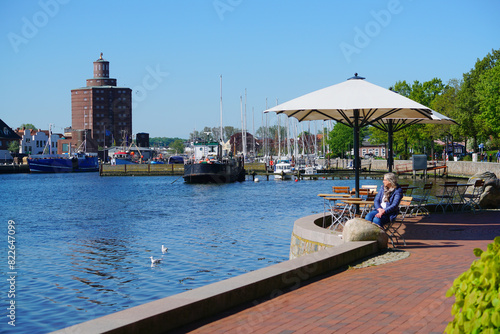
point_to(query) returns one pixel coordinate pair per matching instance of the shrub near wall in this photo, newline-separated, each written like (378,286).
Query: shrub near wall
(477,296)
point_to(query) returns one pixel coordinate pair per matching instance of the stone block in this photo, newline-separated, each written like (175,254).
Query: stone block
(359,229)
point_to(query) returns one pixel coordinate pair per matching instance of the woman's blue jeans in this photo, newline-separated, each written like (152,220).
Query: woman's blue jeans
(379,221)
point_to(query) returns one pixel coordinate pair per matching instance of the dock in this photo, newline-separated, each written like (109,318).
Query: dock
(439,167)
(253,170)
(141,170)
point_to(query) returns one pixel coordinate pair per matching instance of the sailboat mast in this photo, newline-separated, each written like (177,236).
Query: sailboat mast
(221,133)
(253,131)
(241,111)
(279,134)
(221,136)
(245,127)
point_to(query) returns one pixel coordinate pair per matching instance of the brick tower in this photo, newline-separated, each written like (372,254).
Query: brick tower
(102,108)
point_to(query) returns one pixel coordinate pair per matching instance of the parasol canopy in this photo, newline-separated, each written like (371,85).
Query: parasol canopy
(356,103)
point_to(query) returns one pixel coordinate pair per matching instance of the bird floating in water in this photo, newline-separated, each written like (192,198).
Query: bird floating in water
(155,261)
(164,249)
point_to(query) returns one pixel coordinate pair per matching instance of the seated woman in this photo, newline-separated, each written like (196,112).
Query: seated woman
(386,202)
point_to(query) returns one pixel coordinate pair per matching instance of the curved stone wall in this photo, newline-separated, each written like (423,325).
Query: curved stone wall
(309,236)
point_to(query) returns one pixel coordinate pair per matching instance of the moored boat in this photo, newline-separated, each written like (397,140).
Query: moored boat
(283,170)
(61,163)
(208,166)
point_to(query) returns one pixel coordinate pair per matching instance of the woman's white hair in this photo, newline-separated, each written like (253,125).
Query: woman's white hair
(392,178)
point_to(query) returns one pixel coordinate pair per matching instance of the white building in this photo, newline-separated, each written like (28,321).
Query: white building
(34,142)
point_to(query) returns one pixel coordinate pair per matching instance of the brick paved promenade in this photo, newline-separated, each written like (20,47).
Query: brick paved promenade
(406,296)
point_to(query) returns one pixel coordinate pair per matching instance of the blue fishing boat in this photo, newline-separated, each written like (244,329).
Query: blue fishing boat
(63,163)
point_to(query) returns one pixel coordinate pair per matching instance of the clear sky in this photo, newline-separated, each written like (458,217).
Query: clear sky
(172,53)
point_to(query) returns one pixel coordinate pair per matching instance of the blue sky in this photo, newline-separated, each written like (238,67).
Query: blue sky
(172,53)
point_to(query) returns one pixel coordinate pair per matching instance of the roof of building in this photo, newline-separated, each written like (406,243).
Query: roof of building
(6,132)
(98,87)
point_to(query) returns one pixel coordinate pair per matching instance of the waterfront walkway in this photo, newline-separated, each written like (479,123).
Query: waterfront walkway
(406,296)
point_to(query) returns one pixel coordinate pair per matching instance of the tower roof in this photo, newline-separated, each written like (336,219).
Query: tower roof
(101,59)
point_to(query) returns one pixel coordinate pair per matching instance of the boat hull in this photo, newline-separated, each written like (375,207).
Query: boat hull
(213,173)
(64,165)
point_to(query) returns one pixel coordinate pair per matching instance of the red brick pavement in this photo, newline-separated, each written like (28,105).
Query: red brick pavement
(406,296)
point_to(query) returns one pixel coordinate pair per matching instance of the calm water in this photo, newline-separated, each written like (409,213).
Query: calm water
(83,242)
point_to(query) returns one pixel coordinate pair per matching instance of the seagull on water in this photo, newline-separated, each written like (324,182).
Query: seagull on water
(155,261)
(164,249)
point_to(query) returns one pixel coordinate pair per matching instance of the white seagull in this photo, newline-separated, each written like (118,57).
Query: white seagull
(155,261)
(164,249)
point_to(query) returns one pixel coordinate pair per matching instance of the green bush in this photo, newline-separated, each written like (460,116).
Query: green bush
(477,296)
(467,158)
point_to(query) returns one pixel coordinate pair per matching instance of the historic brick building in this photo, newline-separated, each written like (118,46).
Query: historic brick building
(103,108)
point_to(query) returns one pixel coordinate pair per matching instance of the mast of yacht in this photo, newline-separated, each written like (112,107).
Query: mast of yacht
(245,127)
(288,151)
(242,126)
(253,131)
(266,134)
(279,134)
(221,136)
(315,139)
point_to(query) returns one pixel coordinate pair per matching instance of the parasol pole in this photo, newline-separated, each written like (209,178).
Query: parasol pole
(356,150)
(389,144)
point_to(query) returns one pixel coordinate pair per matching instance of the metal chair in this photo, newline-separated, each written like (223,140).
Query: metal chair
(472,199)
(339,213)
(392,228)
(365,209)
(421,202)
(447,196)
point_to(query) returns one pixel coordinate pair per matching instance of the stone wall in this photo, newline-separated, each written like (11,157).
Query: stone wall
(455,168)
(309,236)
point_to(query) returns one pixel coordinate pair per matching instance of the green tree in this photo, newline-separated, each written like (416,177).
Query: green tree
(341,139)
(469,106)
(13,146)
(419,137)
(487,92)
(162,141)
(177,146)
(28,126)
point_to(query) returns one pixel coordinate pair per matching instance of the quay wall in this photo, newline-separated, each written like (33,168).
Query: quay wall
(463,169)
(309,236)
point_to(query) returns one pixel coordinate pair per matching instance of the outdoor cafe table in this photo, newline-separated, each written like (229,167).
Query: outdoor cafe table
(452,189)
(353,202)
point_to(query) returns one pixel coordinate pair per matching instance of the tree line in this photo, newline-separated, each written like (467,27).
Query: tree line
(473,101)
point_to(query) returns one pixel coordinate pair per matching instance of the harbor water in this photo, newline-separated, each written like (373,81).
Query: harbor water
(83,243)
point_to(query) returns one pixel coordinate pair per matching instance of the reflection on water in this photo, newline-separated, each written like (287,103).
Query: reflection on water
(83,243)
